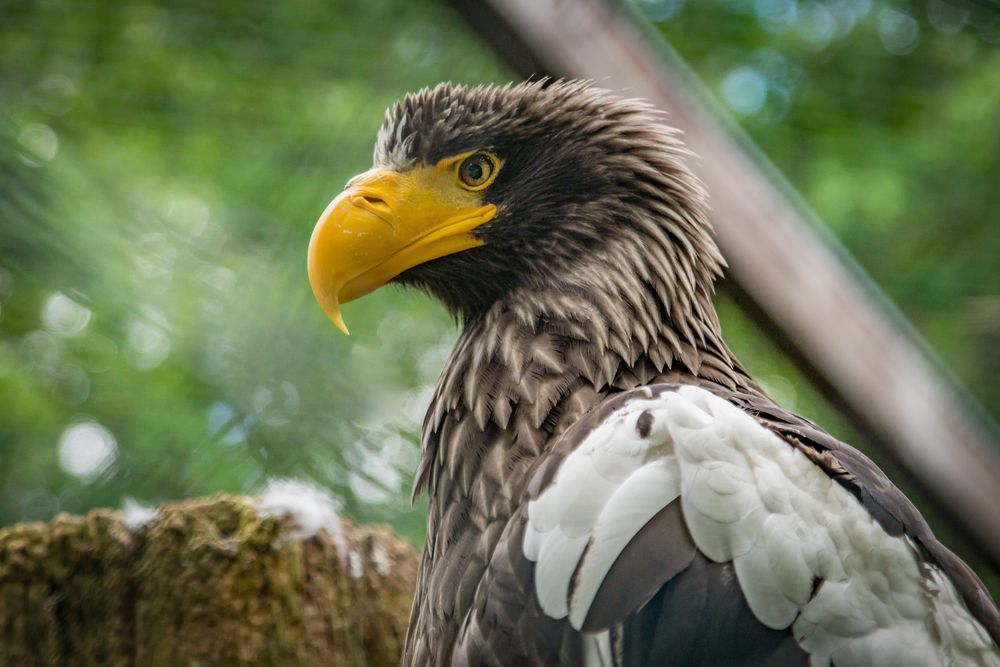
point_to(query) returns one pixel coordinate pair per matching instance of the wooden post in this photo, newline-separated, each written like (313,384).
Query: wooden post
(798,285)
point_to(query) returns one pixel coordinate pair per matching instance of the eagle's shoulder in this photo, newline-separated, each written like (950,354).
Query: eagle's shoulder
(878,495)
(690,520)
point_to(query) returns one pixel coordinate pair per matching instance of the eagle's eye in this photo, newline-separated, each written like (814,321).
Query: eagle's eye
(478,170)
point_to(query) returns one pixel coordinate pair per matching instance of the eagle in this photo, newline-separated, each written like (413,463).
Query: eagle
(607,484)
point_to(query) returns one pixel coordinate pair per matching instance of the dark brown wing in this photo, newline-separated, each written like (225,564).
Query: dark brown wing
(663,601)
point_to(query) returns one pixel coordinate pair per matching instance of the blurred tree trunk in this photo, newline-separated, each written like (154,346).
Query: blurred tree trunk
(207,583)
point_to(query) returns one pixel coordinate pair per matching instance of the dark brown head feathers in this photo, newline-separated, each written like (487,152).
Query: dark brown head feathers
(594,196)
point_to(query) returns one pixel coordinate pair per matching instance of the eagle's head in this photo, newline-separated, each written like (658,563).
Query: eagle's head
(476,193)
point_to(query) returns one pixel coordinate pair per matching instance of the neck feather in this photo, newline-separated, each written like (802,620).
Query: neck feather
(542,356)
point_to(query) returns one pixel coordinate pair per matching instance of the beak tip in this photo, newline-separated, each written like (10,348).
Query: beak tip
(338,321)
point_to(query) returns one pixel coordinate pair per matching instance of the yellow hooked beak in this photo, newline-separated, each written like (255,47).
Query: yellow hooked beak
(385,222)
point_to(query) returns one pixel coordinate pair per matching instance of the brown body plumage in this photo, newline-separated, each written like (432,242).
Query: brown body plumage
(606,317)
(594,279)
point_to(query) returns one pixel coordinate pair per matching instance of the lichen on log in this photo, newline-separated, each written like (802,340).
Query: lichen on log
(207,583)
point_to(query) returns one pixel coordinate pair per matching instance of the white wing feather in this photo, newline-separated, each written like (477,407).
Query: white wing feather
(747,497)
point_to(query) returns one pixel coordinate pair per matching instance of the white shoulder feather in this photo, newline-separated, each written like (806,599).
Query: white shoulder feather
(750,498)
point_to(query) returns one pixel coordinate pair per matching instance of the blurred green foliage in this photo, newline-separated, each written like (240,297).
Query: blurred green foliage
(884,116)
(165,165)
(161,166)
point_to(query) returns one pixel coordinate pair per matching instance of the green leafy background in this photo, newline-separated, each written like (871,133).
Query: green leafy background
(161,167)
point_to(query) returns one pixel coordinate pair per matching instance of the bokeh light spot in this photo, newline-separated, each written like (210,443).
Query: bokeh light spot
(946,17)
(86,450)
(817,25)
(154,259)
(65,317)
(418,44)
(899,32)
(660,10)
(41,351)
(146,344)
(776,15)
(275,403)
(189,213)
(40,142)
(745,90)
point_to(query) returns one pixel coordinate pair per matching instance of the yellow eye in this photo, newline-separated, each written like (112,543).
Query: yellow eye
(477,171)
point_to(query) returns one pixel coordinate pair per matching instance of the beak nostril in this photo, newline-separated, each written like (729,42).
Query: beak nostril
(372,200)
(373,203)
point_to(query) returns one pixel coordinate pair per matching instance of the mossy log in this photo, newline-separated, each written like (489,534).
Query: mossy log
(207,583)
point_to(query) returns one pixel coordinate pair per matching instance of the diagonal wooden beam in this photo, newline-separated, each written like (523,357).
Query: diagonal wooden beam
(798,285)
